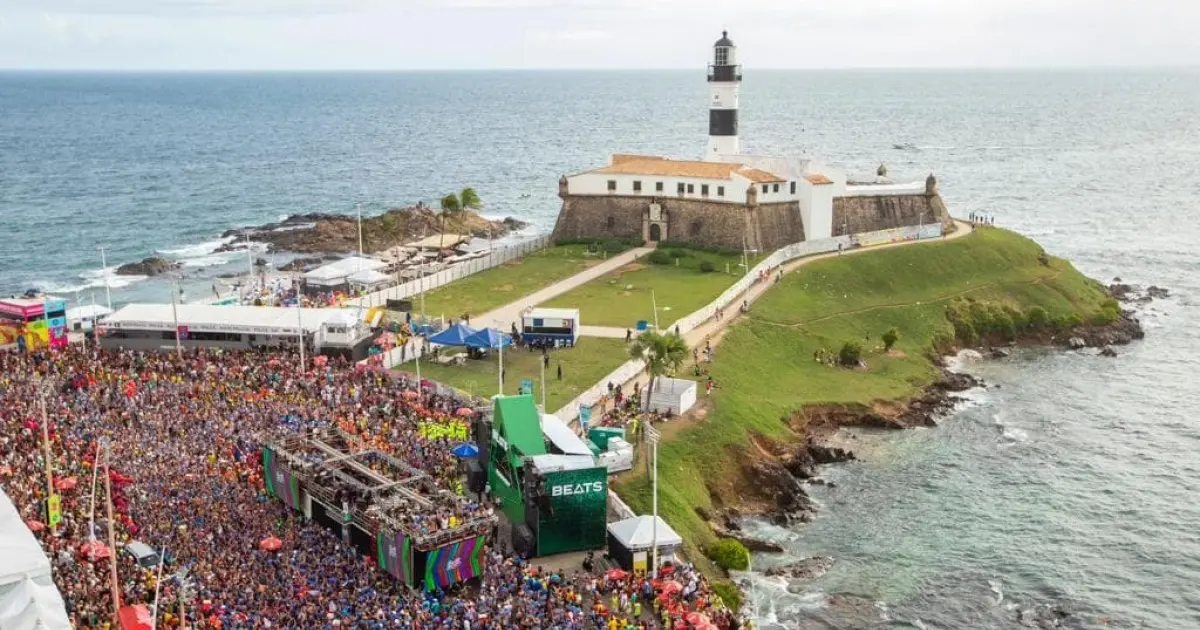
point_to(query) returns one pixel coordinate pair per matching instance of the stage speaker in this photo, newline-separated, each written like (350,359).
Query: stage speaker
(476,476)
(523,541)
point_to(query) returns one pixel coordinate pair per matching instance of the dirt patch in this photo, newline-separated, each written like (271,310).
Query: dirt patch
(896,354)
(504,288)
(630,268)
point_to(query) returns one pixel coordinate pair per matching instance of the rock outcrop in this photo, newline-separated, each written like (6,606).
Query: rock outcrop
(806,569)
(153,266)
(320,233)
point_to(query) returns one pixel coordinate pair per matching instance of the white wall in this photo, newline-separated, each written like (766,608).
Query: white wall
(876,190)
(723,96)
(820,223)
(597,184)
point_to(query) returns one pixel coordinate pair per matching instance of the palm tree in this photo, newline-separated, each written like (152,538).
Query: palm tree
(453,204)
(663,355)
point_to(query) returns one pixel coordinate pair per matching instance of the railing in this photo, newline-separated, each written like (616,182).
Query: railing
(635,367)
(496,257)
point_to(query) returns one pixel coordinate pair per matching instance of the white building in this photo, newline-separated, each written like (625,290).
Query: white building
(727,197)
(332,331)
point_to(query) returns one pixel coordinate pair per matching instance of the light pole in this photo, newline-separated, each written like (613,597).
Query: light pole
(50,500)
(175,314)
(299,322)
(500,373)
(653,435)
(104,274)
(114,581)
(654,305)
(162,554)
(95,473)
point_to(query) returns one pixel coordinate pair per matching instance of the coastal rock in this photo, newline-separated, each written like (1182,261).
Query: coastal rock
(1123,331)
(1157,293)
(1076,343)
(322,233)
(301,264)
(803,462)
(757,545)
(955,381)
(806,569)
(153,266)
(1108,351)
(1001,353)
(775,482)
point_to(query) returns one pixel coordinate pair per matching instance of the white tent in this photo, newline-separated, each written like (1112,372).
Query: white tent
(672,396)
(368,277)
(28,597)
(562,437)
(638,533)
(336,273)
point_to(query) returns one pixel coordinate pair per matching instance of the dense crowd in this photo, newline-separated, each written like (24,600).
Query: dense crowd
(177,436)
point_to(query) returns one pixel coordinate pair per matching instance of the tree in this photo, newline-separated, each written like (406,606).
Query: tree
(729,554)
(663,355)
(890,338)
(851,353)
(453,204)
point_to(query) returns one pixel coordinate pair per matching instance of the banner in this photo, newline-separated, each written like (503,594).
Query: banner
(54,509)
(280,481)
(394,554)
(454,563)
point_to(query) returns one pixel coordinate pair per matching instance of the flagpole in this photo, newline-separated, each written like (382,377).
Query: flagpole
(92,515)
(162,554)
(49,466)
(299,323)
(175,314)
(104,274)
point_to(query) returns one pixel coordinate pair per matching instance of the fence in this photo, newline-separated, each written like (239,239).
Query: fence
(635,367)
(496,257)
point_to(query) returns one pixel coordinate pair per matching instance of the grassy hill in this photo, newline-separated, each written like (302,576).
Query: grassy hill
(993,282)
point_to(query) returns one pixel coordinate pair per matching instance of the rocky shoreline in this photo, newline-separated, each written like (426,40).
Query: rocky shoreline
(774,485)
(321,233)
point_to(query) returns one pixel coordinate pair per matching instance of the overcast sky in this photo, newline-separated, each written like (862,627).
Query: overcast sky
(470,34)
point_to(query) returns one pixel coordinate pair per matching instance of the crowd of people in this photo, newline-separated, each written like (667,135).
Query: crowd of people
(176,438)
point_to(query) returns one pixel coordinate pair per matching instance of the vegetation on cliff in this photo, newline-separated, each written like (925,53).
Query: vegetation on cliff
(767,369)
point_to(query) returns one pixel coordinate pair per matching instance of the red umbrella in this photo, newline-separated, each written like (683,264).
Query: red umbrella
(616,574)
(93,550)
(35,526)
(463,412)
(274,363)
(271,543)
(409,394)
(66,483)
(699,620)
(320,360)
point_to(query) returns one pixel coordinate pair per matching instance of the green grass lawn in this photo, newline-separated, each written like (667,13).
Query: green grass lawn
(583,366)
(507,283)
(764,367)
(623,297)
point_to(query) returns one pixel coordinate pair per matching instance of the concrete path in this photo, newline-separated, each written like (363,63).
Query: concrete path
(602,331)
(504,317)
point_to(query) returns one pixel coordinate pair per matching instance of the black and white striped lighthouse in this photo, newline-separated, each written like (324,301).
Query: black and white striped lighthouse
(724,79)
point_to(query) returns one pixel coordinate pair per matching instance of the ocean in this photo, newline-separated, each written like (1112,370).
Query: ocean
(1068,485)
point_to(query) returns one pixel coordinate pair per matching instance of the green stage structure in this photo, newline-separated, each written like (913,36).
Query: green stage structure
(548,483)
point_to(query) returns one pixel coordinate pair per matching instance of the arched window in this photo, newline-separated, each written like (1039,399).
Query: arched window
(694,228)
(612,222)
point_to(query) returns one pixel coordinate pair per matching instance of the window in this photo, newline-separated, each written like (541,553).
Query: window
(691,188)
(766,188)
(612,185)
(793,188)
(658,186)
(694,228)
(704,189)
(776,188)
(680,189)
(637,186)
(612,222)
(720,191)
(722,56)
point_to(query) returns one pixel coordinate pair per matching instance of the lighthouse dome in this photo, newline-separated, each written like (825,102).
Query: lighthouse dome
(724,42)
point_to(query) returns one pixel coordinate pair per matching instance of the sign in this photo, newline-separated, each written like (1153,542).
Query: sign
(182,331)
(527,386)
(585,416)
(569,489)
(54,504)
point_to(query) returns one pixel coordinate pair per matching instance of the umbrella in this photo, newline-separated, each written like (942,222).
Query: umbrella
(94,549)
(274,363)
(455,335)
(696,619)
(463,412)
(271,543)
(409,394)
(66,483)
(35,526)
(320,360)
(616,574)
(671,586)
(465,451)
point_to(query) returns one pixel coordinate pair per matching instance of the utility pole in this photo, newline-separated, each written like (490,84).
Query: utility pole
(95,473)
(175,314)
(162,554)
(104,274)
(653,437)
(358,209)
(112,541)
(654,305)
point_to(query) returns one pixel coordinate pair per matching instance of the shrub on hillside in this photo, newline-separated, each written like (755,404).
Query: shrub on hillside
(851,353)
(729,594)
(729,554)
(890,338)
(707,267)
(1037,318)
(659,257)
(1110,311)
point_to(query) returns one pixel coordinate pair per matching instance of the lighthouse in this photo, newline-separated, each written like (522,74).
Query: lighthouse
(724,79)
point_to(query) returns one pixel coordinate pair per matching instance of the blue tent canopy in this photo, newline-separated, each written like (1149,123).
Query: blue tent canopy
(455,335)
(488,338)
(465,451)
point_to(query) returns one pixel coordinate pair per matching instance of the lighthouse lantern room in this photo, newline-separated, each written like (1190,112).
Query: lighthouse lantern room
(724,80)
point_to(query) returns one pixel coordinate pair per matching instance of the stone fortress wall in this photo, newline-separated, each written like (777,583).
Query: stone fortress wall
(870,213)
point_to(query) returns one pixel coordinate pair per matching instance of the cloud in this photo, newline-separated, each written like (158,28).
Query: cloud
(570,36)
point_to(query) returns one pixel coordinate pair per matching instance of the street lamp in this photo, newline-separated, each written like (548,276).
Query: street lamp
(653,436)
(104,274)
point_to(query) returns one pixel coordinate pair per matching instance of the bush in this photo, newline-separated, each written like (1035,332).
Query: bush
(1037,318)
(851,353)
(890,338)
(1067,322)
(659,257)
(610,245)
(707,267)
(680,253)
(965,333)
(729,593)
(729,554)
